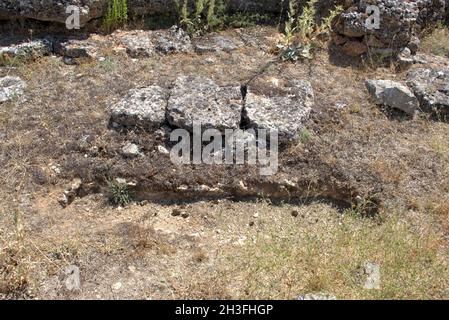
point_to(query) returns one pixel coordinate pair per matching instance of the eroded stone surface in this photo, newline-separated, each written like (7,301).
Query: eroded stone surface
(74,48)
(196,98)
(400,20)
(25,51)
(143,108)
(142,44)
(138,44)
(432,89)
(317,296)
(392,94)
(172,40)
(279,104)
(11,87)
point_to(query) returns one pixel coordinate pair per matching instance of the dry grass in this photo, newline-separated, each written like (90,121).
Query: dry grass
(323,252)
(437,42)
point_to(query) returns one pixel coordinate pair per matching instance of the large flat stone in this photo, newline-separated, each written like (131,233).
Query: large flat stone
(143,108)
(196,98)
(143,44)
(277,104)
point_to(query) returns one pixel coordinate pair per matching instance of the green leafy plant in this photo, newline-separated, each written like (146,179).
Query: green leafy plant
(290,24)
(305,135)
(207,15)
(302,32)
(244,20)
(116,15)
(119,193)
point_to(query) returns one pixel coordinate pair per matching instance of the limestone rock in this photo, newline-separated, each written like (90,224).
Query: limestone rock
(11,87)
(70,193)
(281,105)
(354,48)
(172,40)
(431,87)
(372,273)
(405,58)
(392,94)
(138,44)
(25,51)
(399,22)
(143,44)
(143,108)
(200,99)
(74,48)
(55,10)
(51,10)
(131,150)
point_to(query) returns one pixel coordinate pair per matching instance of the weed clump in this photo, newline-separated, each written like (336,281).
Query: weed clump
(207,15)
(302,30)
(117,14)
(119,193)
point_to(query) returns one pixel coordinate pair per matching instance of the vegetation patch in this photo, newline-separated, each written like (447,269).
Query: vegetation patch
(116,15)
(302,30)
(437,42)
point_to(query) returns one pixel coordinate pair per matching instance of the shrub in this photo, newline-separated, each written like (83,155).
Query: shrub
(302,32)
(119,193)
(207,15)
(116,15)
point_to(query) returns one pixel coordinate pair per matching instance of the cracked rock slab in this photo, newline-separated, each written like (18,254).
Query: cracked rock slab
(431,87)
(11,87)
(392,94)
(200,99)
(143,44)
(281,105)
(143,108)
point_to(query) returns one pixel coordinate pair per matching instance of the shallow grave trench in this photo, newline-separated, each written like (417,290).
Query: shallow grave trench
(264,102)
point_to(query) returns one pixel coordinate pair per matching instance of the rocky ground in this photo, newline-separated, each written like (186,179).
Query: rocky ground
(363,180)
